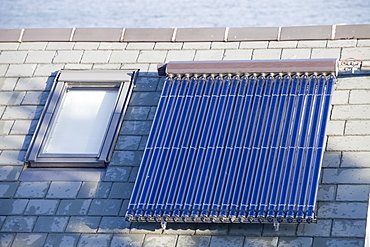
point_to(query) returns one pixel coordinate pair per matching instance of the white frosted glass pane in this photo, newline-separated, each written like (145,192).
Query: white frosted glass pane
(81,122)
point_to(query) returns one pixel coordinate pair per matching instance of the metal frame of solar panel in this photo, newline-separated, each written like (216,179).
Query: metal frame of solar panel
(234,148)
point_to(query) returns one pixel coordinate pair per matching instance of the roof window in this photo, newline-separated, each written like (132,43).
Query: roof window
(81,119)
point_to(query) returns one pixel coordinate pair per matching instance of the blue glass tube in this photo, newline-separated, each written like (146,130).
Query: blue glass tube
(179,169)
(199,141)
(311,147)
(204,171)
(243,140)
(254,166)
(291,150)
(212,159)
(293,86)
(237,130)
(131,210)
(191,150)
(283,118)
(242,195)
(266,162)
(178,98)
(176,145)
(227,131)
(302,147)
(153,163)
(320,149)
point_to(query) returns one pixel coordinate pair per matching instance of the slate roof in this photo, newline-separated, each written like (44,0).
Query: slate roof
(43,207)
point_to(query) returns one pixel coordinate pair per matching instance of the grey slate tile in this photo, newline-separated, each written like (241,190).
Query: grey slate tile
(252,33)
(105,207)
(124,56)
(148,34)
(130,143)
(321,229)
(211,229)
(352,193)
(326,192)
(297,241)
(143,142)
(61,240)
(10,173)
(68,56)
(199,241)
(11,98)
(137,113)
(41,207)
(40,56)
(356,159)
(95,57)
(10,35)
(180,229)
(86,45)
(6,239)
(73,207)
(135,127)
(352,31)
(124,208)
(121,190)
(97,34)
(261,242)
(50,224)
(14,46)
(245,229)
(349,228)
(200,34)
(30,240)
(164,240)
(50,70)
(5,126)
(345,176)
(32,46)
(60,46)
(63,189)
(218,241)
(285,230)
(126,240)
(94,189)
(13,142)
(35,98)
(12,57)
(117,174)
(12,158)
(34,84)
(88,240)
(133,174)
(21,70)
(145,228)
(335,242)
(22,112)
(342,210)
(19,224)
(7,84)
(46,34)
(83,224)
(32,189)
(146,84)
(7,189)
(114,225)
(306,33)
(12,206)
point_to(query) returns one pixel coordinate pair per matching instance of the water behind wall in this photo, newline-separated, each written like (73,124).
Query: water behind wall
(181,13)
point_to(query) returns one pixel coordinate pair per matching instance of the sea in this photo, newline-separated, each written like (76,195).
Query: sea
(181,13)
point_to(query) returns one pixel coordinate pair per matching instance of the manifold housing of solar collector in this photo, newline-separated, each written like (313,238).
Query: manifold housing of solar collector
(236,147)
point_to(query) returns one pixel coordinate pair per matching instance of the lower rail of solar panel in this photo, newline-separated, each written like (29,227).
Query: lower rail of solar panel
(220,219)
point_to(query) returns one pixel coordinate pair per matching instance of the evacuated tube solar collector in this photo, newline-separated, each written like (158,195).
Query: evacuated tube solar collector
(236,142)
